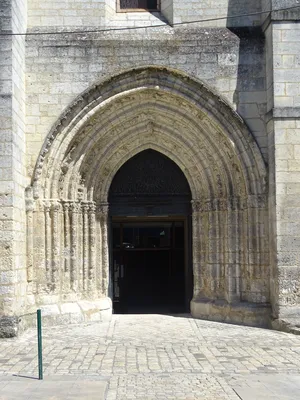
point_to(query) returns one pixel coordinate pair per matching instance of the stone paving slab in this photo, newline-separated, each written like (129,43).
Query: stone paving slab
(267,387)
(170,386)
(155,357)
(52,388)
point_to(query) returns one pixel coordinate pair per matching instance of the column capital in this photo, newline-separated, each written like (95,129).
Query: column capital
(103,208)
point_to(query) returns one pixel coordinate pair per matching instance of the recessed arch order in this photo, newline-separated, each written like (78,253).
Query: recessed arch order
(167,111)
(150,108)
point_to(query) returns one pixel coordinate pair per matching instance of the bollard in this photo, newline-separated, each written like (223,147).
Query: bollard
(39,334)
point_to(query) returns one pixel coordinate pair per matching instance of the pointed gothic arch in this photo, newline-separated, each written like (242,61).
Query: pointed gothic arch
(180,117)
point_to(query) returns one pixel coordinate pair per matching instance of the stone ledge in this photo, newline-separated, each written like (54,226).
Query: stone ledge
(286,112)
(99,310)
(292,14)
(76,312)
(250,314)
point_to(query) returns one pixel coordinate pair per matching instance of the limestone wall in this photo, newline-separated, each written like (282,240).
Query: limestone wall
(167,111)
(12,157)
(284,161)
(252,62)
(184,11)
(286,50)
(104,13)
(7,264)
(66,13)
(58,68)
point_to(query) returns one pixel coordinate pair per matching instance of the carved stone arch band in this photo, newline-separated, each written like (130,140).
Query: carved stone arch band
(163,110)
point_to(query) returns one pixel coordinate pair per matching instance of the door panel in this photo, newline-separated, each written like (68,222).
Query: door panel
(148,266)
(147,276)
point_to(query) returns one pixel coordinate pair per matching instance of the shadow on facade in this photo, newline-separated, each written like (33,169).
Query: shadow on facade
(250,91)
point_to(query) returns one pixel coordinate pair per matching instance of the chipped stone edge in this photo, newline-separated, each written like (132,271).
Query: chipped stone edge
(99,310)
(249,314)
(283,325)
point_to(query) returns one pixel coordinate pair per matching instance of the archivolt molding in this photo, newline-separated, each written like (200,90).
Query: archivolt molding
(115,101)
(167,111)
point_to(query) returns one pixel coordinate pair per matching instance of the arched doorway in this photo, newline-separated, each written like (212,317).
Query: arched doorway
(68,215)
(149,202)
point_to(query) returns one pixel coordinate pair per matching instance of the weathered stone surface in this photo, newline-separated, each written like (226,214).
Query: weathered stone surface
(8,327)
(241,313)
(77,101)
(147,356)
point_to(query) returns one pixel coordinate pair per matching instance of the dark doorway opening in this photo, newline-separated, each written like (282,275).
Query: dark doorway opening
(150,273)
(150,236)
(138,5)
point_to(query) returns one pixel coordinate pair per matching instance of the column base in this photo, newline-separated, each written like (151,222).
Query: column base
(287,325)
(9,327)
(288,320)
(81,311)
(77,312)
(242,313)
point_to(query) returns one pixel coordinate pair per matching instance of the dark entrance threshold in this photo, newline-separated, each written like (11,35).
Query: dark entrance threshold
(149,267)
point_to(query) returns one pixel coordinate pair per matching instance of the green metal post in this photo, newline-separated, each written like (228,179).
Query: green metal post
(39,333)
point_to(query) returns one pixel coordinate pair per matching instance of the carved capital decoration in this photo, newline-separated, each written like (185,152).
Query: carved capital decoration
(103,209)
(92,207)
(169,113)
(197,206)
(56,206)
(47,206)
(66,206)
(75,207)
(85,206)
(223,204)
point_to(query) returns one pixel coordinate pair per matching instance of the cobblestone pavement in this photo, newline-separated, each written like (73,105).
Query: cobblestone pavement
(151,357)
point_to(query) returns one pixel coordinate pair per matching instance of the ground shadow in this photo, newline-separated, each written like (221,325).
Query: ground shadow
(26,377)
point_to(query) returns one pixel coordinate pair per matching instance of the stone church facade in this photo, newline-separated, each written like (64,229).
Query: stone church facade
(124,118)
